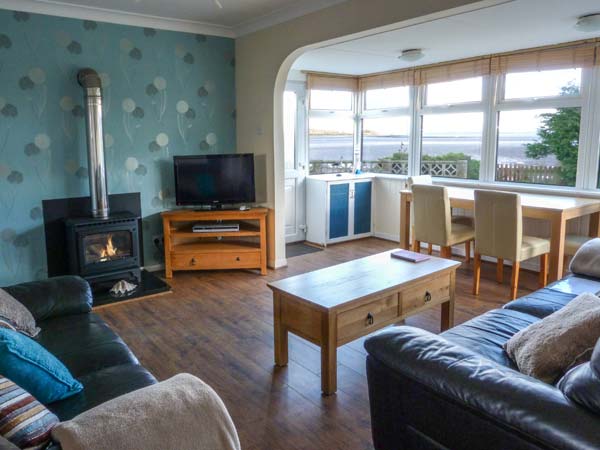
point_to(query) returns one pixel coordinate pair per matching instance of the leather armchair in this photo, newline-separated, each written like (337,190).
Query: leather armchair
(54,297)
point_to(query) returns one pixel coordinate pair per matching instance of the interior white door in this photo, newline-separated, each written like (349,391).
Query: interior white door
(294,128)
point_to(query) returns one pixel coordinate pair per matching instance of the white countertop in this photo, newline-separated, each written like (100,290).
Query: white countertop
(341,176)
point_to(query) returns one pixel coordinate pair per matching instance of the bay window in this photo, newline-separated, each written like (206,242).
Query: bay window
(540,84)
(539,121)
(451,145)
(530,117)
(452,128)
(331,124)
(386,123)
(451,92)
(385,144)
(330,144)
(394,97)
(331,100)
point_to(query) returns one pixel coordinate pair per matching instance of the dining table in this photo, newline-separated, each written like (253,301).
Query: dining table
(556,209)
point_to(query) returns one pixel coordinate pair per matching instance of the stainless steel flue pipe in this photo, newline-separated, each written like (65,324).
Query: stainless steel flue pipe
(92,85)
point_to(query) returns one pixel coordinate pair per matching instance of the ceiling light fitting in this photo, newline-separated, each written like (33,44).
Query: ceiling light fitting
(588,23)
(411,54)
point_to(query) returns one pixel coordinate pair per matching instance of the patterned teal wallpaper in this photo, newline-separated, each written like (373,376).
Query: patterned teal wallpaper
(166,93)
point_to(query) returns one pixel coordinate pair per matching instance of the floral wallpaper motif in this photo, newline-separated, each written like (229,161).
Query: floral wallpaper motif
(165,93)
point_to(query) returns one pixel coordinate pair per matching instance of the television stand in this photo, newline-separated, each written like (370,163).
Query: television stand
(221,207)
(242,249)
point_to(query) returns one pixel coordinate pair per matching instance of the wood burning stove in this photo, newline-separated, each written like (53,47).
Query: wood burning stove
(84,236)
(104,249)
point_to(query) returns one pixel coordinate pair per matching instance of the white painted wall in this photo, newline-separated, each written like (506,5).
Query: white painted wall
(386,211)
(264,58)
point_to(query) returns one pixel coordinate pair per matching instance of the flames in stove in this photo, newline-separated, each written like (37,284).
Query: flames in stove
(109,251)
(104,247)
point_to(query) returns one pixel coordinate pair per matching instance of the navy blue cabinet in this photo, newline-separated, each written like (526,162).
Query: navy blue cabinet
(339,205)
(338,208)
(362,207)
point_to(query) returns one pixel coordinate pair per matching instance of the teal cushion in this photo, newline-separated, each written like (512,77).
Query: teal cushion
(31,366)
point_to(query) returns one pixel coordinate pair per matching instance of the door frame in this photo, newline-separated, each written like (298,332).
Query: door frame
(300,158)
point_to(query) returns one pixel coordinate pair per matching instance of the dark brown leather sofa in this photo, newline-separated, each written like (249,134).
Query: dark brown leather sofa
(459,390)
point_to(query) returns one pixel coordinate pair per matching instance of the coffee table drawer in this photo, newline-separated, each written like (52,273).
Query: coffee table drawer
(359,321)
(426,294)
(203,261)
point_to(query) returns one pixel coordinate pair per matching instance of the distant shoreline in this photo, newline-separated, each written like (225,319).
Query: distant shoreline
(511,148)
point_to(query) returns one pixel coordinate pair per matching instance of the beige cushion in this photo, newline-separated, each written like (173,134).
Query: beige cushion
(533,246)
(573,242)
(548,348)
(180,413)
(14,315)
(587,259)
(460,233)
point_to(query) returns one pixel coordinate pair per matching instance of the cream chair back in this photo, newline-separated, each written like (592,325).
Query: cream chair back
(419,179)
(498,224)
(432,214)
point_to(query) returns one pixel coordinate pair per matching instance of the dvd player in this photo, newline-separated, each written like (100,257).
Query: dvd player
(212,227)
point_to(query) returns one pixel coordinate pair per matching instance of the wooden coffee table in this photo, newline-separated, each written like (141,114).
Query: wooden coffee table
(336,305)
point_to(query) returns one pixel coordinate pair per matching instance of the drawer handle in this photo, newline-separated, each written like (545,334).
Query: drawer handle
(427,297)
(193,262)
(237,258)
(370,319)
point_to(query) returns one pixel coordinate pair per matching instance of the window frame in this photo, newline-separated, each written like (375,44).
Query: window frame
(491,105)
(398,111)
(363,103)
(533,103)
(458,105)
(464,107)
(336,113)
(345,111)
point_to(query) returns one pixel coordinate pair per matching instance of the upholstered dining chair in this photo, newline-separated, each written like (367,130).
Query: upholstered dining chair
(499,234)
(433,222)
(426,179)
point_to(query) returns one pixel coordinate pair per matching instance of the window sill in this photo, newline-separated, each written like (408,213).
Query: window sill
(513,187)
(521,187)
(387,175)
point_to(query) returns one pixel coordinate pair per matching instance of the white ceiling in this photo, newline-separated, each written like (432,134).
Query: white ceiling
(510,26)
(234,18)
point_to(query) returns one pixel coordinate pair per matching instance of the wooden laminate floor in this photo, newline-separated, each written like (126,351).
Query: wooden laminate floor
(218,326)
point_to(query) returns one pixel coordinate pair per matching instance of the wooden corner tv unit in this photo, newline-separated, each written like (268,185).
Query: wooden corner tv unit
(243,249)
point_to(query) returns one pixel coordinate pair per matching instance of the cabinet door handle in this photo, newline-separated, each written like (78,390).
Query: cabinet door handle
(427,297)
(370,319)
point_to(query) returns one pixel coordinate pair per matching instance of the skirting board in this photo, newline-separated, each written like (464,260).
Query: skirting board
(387,236)
(277,263)
(532,264)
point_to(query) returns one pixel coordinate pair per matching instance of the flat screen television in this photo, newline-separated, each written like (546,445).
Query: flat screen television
(214,179)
